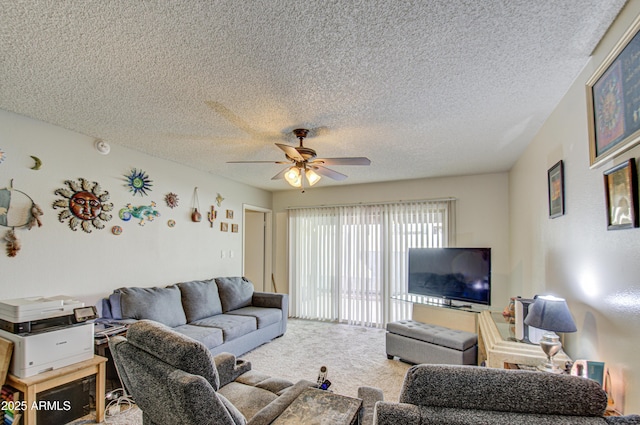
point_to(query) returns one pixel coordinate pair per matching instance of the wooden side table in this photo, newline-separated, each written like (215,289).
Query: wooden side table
(496,346)
(35,384)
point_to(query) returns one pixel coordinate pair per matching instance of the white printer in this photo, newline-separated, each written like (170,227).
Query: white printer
(45,333)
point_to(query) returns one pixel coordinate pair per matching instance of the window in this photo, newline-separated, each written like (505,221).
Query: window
(349,263)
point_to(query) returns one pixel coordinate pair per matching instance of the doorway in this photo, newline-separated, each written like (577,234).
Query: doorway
(256,247)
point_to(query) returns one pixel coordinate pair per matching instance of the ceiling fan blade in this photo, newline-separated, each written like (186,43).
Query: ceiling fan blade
(329,173)
(291,152)
(280,175)
(241,124)
(257,162)
(354,160)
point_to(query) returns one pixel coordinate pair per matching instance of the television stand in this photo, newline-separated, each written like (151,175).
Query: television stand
(449,303)
(459,306)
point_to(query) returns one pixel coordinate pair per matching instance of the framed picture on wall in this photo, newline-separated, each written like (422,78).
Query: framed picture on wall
(555,176)
(613,100)
(621,196)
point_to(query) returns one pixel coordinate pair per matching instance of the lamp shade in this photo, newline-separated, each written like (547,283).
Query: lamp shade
(551,314)
(293,176)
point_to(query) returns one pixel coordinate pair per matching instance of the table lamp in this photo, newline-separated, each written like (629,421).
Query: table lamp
(550,314)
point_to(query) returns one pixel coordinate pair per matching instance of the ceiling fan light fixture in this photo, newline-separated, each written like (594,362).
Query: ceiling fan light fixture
(293,176)
(312,177)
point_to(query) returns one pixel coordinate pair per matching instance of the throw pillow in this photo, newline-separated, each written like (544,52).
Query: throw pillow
(200,299)
(235,292)
(159,304)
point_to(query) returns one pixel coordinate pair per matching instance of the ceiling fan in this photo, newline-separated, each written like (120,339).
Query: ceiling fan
(306,169)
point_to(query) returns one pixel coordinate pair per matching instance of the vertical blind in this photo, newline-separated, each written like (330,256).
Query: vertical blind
(349,263)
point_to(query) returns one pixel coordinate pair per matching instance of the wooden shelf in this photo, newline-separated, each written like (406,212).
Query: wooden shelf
(32,385)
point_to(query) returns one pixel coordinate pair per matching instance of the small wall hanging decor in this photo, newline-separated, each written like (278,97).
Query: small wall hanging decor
(234,228)
(37,163)
(116,230)
(219,200)
(139,182)
(142,213)
(230,214)
(211,216)
(613,105)
(3,156)
(171,199)
(84,204)
(171,223)
(13,243)
(621,196)
(555,182)
(195,214)
(17,209)
(224,227)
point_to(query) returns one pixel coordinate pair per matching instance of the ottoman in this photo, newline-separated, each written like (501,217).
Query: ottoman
(416,342)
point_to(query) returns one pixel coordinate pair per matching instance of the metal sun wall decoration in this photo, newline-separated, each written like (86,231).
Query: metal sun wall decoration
(84,204)
(143,212)
(138,182)
(171,199)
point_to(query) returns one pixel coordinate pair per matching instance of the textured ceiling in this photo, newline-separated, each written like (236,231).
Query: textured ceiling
(422,88)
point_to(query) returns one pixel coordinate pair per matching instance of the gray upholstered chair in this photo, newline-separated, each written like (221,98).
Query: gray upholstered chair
(447,394)
(175,380)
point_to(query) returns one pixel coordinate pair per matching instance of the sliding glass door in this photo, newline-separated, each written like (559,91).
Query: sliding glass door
(349,263)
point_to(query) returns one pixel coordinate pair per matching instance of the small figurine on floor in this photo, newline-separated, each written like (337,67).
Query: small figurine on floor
(322,382)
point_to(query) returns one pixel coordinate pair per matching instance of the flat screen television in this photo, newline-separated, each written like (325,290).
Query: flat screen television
(454,274)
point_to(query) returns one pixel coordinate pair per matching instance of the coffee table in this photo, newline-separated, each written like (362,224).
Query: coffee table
(318,407)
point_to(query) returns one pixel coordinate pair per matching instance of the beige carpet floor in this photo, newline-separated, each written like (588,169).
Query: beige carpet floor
(354,356)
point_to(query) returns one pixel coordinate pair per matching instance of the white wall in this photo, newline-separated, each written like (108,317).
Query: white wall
(482,215)
(574,256)
(56,260)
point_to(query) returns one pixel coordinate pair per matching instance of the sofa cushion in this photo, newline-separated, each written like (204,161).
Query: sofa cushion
(176,349)
(200,299)
(249,400)
(232,326)
(235,414)
(235,292)
(113,305)
(210,337)
(264,316)
(158,304)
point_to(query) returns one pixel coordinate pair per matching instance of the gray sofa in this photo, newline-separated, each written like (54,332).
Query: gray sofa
(225,314)
(448,394)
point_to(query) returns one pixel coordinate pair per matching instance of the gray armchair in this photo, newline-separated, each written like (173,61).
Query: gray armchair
(439,394)
(175,380)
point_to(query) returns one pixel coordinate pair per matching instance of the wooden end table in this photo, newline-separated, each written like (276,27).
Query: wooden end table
(35,384)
